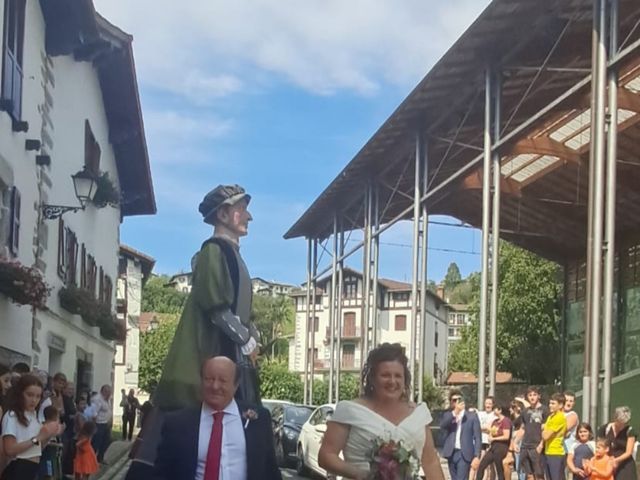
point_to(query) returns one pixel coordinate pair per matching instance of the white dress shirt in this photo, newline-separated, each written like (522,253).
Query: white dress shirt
(102,409)
(486,419)
(233,461)
(459,417)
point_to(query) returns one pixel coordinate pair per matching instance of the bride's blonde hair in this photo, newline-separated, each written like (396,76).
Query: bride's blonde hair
(387,352)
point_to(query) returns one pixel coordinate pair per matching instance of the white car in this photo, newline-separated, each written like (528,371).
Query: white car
(310,438)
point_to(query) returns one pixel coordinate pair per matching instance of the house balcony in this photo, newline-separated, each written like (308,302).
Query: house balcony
(350,334)
(347,365)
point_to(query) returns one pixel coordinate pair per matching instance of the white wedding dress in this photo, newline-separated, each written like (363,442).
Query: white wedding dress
(367,425)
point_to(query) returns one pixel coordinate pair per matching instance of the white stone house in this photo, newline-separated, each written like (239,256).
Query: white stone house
(68,102)
(394,320)
(459,318)
(134,268)
(181,282)
(270,288)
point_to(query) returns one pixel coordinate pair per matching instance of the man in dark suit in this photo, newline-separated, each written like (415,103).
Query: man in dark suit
(463,441)
(222,439)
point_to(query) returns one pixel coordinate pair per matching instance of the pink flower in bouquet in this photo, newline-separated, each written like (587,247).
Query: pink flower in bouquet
(388,469)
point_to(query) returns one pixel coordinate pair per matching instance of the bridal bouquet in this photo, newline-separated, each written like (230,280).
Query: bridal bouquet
(393,460)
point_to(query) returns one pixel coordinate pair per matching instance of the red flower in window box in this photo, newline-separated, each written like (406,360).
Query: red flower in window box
(23,285)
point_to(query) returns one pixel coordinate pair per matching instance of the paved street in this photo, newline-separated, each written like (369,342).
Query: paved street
(287,474)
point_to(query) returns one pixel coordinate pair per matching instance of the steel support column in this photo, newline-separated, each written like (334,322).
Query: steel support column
(423,274)
(339,319)
(610,212)
(374,265)
(495,235)
(305,354)
(312,321)
(332,306)
(366,278)
(596,201)
(486,199)
(415,261)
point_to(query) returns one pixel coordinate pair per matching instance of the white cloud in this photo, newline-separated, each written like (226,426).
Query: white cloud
(178,127)
(207,49)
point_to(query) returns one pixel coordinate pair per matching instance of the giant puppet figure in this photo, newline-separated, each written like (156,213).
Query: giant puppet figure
(215,320)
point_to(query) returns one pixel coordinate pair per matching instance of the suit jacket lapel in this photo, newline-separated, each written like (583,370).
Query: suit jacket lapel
(191,440)
(250,439)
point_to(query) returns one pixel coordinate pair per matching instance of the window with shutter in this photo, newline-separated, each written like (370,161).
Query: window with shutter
(12,51)
(108,290)
(62,257)
(101,285)
(91,150)
(83,267)
(71,259)
(14,230)
(92,272)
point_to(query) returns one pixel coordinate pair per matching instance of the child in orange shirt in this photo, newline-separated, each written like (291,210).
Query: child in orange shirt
(85,462)
(600,466)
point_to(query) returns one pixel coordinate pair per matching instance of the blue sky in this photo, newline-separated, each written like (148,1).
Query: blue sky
(278,96)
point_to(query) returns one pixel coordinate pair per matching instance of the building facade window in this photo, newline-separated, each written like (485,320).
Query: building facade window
(91,150)
(400,323)
(14,228)
(12,58)
(350,287)
(348,356)
(316,324)
(349,325)
(401,296)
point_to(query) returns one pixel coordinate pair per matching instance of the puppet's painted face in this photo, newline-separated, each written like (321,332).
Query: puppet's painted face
(236,218)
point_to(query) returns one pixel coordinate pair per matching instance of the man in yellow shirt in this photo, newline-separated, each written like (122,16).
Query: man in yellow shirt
(553,433)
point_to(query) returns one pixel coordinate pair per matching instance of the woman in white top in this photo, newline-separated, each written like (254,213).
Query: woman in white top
(383,411)
(22,433)
(5,385)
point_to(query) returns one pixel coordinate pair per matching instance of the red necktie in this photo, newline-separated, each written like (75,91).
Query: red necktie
(212,468)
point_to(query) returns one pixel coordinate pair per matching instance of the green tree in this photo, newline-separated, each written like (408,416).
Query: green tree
(528,320)
(453,277)
(278,383)
(465,291)
(157,296)
(274,318)
(154,347)
(432,395)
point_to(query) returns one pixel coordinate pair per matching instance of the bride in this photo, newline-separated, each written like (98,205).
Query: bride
(383,411)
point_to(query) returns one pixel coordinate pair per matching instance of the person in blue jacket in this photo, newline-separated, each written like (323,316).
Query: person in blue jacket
(463,437)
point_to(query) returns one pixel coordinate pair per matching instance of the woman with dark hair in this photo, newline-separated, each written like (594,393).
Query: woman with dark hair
(22,432)
(5,385)
(621,439)
(500,436)
(383,411)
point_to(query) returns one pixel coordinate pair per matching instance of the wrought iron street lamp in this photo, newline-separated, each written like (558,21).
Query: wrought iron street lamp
(85,186)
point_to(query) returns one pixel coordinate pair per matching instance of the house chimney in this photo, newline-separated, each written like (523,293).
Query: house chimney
(440,291)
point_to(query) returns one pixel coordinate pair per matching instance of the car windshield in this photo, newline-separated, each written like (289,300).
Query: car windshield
(297,415)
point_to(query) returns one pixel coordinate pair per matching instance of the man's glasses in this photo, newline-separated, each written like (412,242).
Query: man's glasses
(457,399)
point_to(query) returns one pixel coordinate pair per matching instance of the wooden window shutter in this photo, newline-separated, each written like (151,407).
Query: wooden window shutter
(101,286)
(12,53)
(61,250)
(108,290)
(91,274)
(91,150)
(83,267)
(71,257)
(14,230)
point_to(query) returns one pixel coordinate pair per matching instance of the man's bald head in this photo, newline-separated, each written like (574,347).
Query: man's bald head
(220,379)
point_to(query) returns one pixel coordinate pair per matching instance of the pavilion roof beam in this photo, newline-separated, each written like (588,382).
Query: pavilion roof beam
(543,146)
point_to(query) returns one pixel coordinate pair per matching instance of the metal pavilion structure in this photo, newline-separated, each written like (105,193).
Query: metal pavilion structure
(528,128)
